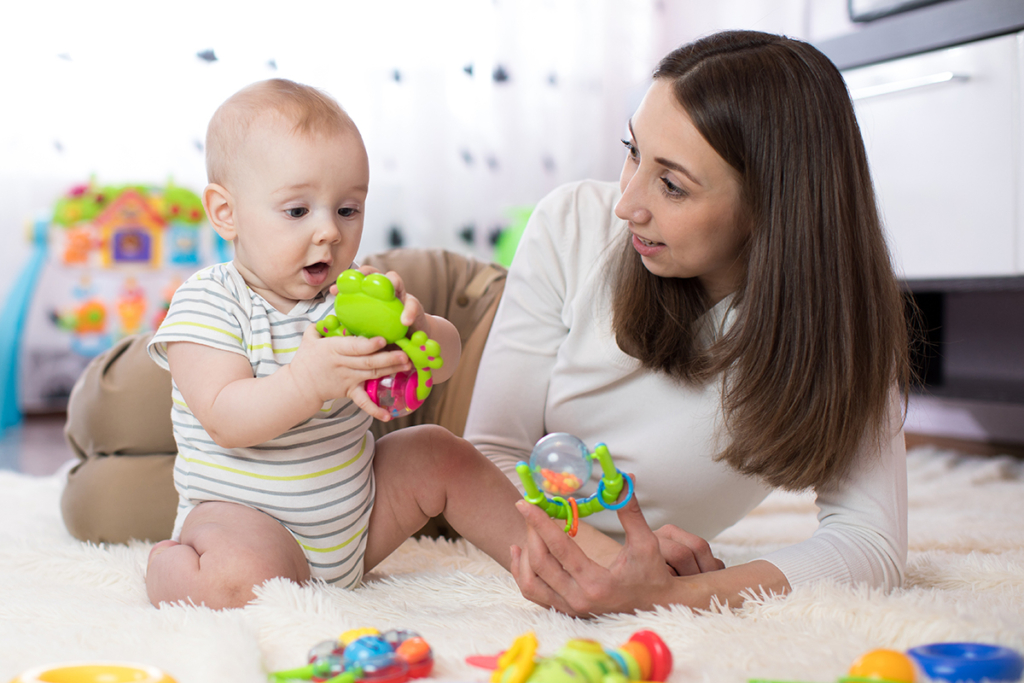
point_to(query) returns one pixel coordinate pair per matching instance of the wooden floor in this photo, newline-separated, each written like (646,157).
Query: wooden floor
(36,446)
(964,446)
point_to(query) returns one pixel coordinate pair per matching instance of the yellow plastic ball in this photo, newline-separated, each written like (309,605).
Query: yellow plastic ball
(884,665)
(95,672)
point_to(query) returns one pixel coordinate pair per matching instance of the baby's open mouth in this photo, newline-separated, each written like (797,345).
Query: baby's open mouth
(317,269)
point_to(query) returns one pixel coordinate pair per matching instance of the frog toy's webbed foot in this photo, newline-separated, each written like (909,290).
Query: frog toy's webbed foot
(425,355)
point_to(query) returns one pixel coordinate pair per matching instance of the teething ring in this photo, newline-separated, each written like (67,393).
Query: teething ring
(621,504)
(574,518)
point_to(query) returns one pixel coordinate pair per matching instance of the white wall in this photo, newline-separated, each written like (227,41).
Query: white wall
(114,88)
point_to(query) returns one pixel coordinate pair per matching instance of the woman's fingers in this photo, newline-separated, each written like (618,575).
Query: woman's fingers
(532,586)
(686,553)
(549,535)
(639,537)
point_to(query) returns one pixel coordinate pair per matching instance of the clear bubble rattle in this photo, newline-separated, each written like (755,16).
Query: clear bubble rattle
(560,465)
(366,306)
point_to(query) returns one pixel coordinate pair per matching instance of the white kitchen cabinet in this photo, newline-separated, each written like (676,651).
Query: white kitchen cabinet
(942,132)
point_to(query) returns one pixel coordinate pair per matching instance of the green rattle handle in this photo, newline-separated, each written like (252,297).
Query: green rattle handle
(534,495)
(302,673)
(612,477)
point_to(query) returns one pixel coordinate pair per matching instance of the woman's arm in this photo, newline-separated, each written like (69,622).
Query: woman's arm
(862,524)
(861,538)
(554,572)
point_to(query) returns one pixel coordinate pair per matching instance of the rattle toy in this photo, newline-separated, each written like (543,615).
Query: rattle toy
(644,657)
(560,464)
(366,306)
(94,672)
(364,654)
(947,662)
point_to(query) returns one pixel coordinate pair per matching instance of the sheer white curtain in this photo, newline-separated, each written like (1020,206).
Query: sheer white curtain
(468,107)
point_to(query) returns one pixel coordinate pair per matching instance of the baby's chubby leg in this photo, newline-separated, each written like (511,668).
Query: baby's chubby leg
(424,471)
(226,549)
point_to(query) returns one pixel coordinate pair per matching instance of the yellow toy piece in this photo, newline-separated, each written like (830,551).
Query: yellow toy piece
(517,663)
(882,666)
(352,635)
(94,672)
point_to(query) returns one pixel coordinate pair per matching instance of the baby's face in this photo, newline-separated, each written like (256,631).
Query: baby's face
(299,204)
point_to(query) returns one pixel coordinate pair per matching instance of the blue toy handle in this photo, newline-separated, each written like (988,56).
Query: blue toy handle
(12,323)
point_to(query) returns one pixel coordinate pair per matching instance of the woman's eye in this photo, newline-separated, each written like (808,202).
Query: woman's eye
(631,149)
(298,212)
(347,212)
(671,187)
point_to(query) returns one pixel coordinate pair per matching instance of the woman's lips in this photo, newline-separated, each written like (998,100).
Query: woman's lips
(646,247)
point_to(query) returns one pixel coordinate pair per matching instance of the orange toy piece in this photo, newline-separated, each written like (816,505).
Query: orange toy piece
(560,483)
(882,666)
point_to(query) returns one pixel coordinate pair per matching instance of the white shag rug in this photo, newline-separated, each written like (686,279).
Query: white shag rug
(62,600)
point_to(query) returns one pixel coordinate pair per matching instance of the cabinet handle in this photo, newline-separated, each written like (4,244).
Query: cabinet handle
(908,84)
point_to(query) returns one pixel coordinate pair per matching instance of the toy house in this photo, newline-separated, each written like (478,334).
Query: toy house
(130,231)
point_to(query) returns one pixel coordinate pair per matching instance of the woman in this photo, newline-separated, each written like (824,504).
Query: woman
(726,320)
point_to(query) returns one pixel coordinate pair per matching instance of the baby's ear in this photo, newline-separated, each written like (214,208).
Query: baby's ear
(218,203)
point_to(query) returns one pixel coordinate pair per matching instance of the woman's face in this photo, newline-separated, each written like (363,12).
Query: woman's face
(680,198)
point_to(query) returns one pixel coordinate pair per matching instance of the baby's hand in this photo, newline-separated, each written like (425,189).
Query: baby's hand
(413,315)
(331,367)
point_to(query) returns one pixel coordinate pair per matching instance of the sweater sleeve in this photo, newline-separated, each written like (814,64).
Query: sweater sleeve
(862,525)
(506,417)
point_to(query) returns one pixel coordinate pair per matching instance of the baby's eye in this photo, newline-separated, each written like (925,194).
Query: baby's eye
(297,212)
(347,212)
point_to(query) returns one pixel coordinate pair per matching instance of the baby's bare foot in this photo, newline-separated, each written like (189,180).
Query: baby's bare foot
(159,548)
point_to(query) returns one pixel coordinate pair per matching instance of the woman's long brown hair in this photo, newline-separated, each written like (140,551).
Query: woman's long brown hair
(819,340)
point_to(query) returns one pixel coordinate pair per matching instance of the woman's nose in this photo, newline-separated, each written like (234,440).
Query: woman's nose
(632,205)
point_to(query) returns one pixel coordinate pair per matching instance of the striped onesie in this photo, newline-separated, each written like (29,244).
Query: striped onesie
(316,479)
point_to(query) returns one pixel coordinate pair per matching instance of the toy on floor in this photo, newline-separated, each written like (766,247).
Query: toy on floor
(365,655)
(644,657)
(366,306)
(94,672)
(947,662)
(560,464)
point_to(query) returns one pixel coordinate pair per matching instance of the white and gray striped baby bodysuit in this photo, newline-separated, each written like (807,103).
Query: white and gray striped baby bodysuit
(316,478)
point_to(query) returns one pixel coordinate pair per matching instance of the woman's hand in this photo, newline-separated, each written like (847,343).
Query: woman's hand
(686,553)
(553,571)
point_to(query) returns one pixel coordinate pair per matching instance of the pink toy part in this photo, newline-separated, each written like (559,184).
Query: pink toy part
(396,393)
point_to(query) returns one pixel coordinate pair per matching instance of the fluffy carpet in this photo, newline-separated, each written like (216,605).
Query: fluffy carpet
(61,600)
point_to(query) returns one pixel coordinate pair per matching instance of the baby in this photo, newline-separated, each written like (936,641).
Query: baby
(277,472)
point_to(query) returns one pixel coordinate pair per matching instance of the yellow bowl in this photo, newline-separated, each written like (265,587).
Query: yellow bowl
(94,672)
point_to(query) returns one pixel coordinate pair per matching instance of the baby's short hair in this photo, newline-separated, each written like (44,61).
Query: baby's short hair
(312,111)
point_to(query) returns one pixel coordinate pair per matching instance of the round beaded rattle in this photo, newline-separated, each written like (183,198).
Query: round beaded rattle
(561,464)
(366,306)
